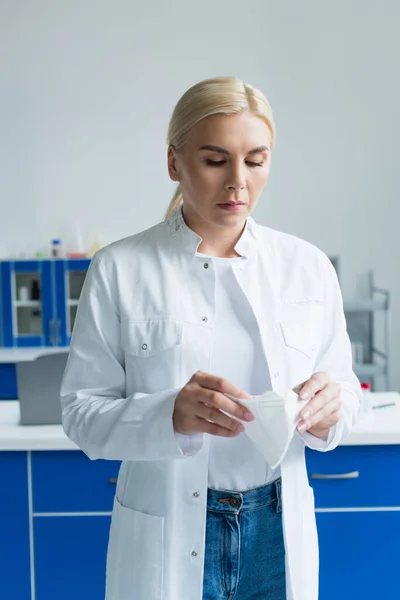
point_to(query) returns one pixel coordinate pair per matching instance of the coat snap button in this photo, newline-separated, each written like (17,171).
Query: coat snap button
(194,553)
(196,494)
(204,319)
(144,346)
(206,265)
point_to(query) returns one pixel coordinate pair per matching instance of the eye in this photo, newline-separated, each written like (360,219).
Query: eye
(254,164)
(215,163)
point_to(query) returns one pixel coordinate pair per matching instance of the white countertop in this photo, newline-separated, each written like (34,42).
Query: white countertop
(382,426)
(14,355)
(14,436)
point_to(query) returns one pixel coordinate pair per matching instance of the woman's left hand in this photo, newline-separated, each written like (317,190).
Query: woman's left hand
(323,409)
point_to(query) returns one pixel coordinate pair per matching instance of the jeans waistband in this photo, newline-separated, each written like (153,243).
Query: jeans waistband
(234,502)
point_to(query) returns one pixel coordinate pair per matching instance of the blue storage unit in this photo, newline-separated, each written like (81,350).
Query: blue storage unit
(28,321)
(70,557)
(39,299)
(69,277)
(357,503)
(15,581)
(43,314)
(8,382)
(54,523)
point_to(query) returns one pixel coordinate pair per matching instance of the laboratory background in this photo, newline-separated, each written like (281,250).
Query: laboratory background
(86,92)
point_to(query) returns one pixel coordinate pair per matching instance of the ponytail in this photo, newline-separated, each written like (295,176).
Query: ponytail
(175,203)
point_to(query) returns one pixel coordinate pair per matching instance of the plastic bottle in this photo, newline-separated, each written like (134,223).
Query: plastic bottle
(367,398)
(35,290)
(56,248)
(23,293)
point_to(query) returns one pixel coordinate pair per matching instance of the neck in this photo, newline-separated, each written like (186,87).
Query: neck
(218,241)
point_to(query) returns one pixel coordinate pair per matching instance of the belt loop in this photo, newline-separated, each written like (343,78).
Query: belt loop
(278,490)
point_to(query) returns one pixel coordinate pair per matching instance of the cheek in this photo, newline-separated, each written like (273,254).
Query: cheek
(258,181)
(204,181)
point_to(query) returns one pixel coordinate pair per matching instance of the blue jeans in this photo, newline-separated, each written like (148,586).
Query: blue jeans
(245,553)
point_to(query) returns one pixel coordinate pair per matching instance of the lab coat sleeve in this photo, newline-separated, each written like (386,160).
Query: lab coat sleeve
(96,415)
(335,358)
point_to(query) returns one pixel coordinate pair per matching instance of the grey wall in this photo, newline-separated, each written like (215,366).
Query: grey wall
(87,88)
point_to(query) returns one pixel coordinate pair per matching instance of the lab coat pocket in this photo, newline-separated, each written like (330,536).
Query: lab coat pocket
(300,339)
(301,345)
(135,555)
(153,349)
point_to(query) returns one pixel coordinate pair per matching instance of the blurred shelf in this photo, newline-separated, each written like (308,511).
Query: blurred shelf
(73,302)
(369,370)
(27,303)
(365,305)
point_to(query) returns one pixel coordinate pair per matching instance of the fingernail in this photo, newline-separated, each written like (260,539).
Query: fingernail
(306,414)
(302,427)
(248,416)
(240,428)
(304,395)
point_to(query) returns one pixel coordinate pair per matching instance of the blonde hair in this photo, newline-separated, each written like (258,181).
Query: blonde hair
(222,95)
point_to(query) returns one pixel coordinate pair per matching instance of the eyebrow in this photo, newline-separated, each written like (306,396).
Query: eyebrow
(224,151)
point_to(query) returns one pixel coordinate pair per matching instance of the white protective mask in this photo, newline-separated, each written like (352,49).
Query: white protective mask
(274,424)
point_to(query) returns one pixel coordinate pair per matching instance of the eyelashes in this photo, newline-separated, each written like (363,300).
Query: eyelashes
(219,163)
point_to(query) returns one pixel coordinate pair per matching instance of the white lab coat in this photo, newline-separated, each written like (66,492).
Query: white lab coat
(144,327)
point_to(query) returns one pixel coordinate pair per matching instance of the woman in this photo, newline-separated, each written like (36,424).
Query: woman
(172,321)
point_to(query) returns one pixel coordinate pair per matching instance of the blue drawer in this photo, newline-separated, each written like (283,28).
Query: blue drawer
(8,382)
(376,481)
(68,481)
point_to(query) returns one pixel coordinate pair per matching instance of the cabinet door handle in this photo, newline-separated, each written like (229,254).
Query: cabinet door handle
(112,479)
(351,475)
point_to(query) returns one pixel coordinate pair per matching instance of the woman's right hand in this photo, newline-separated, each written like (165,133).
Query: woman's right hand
(199,404)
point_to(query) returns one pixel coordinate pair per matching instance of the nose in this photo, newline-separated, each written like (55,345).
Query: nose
(236,181)
(234,188)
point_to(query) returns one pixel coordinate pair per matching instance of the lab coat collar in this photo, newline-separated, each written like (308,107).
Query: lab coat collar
(190,241)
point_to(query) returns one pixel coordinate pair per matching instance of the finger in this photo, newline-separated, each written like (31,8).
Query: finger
(323,417)
(219,384)
(315,384)
(320,399)
(221,402)
(204,426)
(213,415)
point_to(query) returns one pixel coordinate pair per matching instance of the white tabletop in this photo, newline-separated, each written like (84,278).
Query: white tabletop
(15,355)
(14,436)
(381,426)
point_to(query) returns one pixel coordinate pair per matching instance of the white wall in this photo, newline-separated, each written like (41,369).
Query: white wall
(87,88)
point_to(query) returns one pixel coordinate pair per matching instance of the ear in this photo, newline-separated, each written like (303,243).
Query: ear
(173,164)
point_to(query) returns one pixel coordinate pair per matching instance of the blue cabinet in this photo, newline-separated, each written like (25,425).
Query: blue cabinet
(55,517)
(357,500)
(27,299)
(70,557)
(15,581)
(39,299)
(8,382)
(359,554)
(69,278)
(69,482)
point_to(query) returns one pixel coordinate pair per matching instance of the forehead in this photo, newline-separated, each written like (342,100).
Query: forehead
(241,132)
